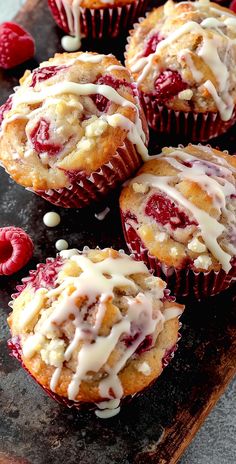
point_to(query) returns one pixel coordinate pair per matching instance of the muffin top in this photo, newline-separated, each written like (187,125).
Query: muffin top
(69,115)
(182,205)
(94,325)
(184,56)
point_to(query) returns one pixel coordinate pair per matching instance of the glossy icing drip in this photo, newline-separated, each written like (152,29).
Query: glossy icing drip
(217,181)
(210,52)
(72,11)
(135,132)
(97,283)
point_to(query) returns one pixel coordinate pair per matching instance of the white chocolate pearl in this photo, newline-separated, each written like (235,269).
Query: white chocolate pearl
(70,44)
(51,219)
(61,245)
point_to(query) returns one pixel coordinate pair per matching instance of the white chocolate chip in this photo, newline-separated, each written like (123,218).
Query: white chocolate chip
(161,237)
(144,368)
(185,94)
(33,344)
(140,188)
(53,353)
(174,251)
(202,262)
(96,128)
(51,219)
(85,144)
(196,246)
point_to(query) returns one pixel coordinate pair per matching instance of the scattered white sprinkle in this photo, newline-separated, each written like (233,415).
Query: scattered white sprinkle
(102,215)
(51,219)
(61,245)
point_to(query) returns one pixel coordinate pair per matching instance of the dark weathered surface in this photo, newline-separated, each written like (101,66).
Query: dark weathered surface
(34,429)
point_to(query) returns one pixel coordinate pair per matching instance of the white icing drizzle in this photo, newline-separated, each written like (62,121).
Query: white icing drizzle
(208,51)
(115,67)
(51,219)
(107,409)
(224,109)
(98,281)
(72,11)
(205,174)
(135,131)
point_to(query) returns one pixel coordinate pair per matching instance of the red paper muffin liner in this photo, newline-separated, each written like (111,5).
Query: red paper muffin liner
(181,282)
(16,351)
(197,127)
(83,190)
(100,22)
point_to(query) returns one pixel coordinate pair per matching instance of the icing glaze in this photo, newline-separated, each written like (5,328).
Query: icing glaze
(210,51)
(97,282)
(216,180)
(135,131)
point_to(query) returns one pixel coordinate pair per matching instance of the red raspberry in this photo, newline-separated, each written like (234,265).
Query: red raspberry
(5,108)
(152,43)
(233,6)
(42,74)
(164,211)
(39,138)
(16,249)
(102,102)
(168,84)
(16,45)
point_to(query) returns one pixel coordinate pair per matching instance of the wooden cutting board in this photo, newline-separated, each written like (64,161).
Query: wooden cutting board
(157,426)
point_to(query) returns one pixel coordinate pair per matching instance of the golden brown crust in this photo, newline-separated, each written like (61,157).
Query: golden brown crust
(132,376)
(182,54)
(80,149)
(172,248)
(132,380)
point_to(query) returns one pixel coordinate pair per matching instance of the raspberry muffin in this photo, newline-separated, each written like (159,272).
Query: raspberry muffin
(93,327)
(183,58)
(179,217)
(73,129)
(96,19)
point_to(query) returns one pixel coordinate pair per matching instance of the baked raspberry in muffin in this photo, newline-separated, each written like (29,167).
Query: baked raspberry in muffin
(95,18)
(183,58)
(73,129)
(94,327)
(179,217)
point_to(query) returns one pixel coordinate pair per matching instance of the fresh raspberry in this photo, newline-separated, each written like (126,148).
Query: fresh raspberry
(164,211)
(5,108)
(16,249)
(168,84)
(42,74)
(233,6)
(102,102)
(40,136)
(152,43)
(16,45)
